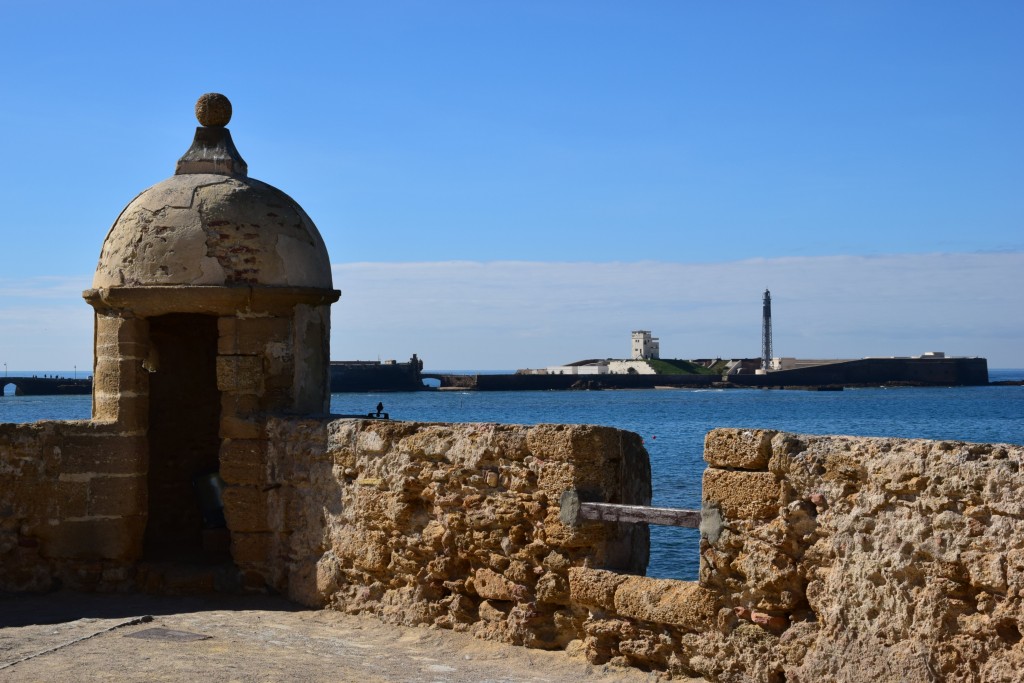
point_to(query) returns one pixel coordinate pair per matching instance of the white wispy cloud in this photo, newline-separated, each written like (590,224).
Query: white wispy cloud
(43,287)
(511,314)
(44,323)
(507,314)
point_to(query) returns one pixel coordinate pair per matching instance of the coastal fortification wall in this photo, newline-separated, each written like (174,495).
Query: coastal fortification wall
(72,505)
(554,382)
(822,557)
(834,558)
(916,371)
(454,525)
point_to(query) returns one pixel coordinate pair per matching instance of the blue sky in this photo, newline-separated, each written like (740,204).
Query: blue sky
(521,141)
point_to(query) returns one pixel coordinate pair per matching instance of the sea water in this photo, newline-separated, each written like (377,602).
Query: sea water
(673,422)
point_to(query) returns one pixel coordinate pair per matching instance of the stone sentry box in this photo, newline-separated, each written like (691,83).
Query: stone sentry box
(212,309)
(212,319)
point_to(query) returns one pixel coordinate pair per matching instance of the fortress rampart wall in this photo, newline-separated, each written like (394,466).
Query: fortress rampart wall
(822,557)
(72,505)
(833,558)
(918,371)
(455,525)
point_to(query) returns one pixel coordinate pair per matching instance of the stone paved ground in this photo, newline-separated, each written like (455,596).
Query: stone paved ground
(73,637)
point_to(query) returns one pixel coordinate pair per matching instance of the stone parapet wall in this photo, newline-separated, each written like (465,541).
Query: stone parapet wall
(72,505)
(639,621)
(821,557)
(442,524)
(833,558)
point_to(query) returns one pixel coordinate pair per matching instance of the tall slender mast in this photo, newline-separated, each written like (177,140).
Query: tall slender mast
(766,332)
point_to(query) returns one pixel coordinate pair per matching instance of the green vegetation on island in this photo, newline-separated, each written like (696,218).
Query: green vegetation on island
(719,367)
(671,366)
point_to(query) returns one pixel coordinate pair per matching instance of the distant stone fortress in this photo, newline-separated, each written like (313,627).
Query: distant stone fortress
(932,367)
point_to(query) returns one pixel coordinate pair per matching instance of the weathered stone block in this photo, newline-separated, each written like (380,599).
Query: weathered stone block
(275,399)
(594,588)
(243,461)
(742,449)
(245,508)
(684,604)
(252,336)
(117,495)
(129,411)
(105,406)
(312,358)
(105,344)
(241,428)
(365,549)
(133,413)
(118,375)
(113,539)
(103,454)
(240,374)
(553,588)
(116,334)
(238,405)
(986,571)
(585,446)
(71,499)
(133,330)
(741,495)
(493,586)
(280,375)
(251,548)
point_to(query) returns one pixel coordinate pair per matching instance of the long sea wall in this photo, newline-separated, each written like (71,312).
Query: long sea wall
(555,382)
(877,371)
(866,371)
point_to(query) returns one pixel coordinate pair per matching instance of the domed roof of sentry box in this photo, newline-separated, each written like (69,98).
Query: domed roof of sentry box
(211,225)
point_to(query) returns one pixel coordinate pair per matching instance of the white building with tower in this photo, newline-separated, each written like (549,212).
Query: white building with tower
(645,347)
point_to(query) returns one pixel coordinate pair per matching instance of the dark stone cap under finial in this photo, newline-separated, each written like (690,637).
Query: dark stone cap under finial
(212,150)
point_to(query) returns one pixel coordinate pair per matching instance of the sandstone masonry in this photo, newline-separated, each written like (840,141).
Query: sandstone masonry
(822,557)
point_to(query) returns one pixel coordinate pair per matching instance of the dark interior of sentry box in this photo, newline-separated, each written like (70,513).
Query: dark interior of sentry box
(184,442)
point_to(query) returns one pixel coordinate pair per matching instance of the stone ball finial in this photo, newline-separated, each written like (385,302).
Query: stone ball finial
(213,109)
